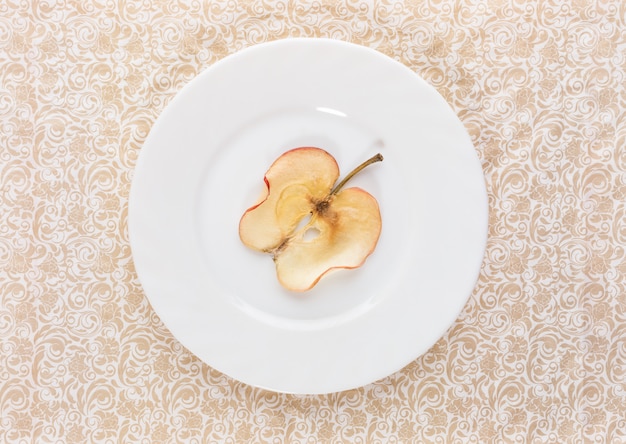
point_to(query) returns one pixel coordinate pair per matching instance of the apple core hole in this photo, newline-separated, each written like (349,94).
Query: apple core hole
(303,222)
(311,234)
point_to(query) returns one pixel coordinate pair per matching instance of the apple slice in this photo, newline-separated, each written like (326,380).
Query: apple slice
(343,225)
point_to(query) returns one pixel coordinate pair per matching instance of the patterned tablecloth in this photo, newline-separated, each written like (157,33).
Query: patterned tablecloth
(537,355)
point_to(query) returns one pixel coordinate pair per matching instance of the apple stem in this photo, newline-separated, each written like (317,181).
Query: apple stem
(377,158)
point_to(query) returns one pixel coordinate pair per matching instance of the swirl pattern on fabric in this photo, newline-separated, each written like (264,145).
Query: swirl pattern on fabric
(539,352)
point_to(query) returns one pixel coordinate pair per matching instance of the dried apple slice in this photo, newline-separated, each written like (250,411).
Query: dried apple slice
(292,181)
(343,228)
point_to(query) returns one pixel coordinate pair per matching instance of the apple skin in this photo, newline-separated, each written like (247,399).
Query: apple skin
(346,223)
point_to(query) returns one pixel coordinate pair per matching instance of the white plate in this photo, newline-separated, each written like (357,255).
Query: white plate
(203,165)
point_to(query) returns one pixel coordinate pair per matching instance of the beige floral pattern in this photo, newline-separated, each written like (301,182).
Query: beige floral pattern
(539,352)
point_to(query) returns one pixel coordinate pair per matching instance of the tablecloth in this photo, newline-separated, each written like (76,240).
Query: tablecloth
(538,353)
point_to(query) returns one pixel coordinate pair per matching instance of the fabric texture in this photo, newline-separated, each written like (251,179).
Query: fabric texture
(537,355)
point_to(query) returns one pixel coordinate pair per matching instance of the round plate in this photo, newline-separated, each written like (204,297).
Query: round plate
(203,164)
